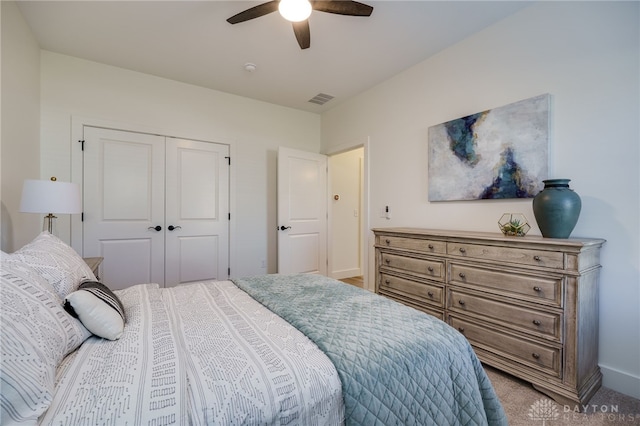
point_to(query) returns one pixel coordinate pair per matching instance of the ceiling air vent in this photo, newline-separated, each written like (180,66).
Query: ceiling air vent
(321,99)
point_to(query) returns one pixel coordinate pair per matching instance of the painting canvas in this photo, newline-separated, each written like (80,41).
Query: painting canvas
(495,154)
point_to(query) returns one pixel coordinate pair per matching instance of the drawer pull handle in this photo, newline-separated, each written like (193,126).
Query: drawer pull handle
(535,355)
(462,250)
(387,260)
(430,269)
(537,289)
(461,302)
(461,275)
(387,281)
(430,293)
(536,258)
(536,322)
(430,246)
(388,241)
(461,329)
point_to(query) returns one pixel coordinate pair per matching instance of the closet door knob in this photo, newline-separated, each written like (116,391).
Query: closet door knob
(157,228)
(171,227)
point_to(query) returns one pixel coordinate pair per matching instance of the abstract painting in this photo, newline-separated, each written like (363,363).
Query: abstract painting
(496,154)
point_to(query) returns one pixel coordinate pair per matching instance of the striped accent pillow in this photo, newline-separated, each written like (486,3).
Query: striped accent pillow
(98,308)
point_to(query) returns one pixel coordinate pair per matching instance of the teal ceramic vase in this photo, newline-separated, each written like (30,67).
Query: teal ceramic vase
(556,208)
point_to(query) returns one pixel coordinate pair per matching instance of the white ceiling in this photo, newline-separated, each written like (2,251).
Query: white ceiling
(191,42)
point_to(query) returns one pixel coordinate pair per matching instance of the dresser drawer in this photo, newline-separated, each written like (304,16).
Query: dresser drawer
(433,269)
(547,259)
(426,246)
(419,291)
(432,310)
(543,324)
(523,351)
(539,289)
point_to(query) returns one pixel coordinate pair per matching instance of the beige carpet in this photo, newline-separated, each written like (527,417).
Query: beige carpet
(526,406)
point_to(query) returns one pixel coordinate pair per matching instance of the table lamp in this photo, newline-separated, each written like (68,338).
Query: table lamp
(51,197)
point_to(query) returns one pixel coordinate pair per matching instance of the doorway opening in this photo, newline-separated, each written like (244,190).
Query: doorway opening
(347,216)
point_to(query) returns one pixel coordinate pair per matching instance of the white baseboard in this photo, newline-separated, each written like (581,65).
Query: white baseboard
(346,273)
(620,381)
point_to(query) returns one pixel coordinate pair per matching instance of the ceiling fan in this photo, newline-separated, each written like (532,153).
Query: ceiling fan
(298,12)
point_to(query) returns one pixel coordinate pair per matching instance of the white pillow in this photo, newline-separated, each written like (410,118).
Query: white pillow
(36,335)
(98,308)
(52,258)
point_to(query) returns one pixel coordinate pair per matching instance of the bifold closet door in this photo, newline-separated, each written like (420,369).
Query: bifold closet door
(156,208)
(123,204)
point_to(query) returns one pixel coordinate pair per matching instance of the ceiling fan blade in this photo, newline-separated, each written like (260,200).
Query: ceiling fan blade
(340,7)
(303,35)
(254,12)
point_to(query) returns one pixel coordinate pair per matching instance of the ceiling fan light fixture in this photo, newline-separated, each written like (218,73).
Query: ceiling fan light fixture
(295,10)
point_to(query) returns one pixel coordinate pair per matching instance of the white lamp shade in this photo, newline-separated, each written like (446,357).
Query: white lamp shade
(47,196)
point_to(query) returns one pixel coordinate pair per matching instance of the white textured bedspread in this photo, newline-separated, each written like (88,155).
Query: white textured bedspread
(200,354)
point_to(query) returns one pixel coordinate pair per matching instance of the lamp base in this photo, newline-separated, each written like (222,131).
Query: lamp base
(47,223)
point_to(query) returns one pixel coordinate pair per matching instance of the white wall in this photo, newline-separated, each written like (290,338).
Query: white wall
(586,55)
(20,143)
(72,87)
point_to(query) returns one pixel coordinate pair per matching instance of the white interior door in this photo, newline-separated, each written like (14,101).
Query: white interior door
(197,211)
(123,198)
(302,212)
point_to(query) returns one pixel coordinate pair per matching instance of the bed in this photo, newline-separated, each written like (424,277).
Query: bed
(265,350)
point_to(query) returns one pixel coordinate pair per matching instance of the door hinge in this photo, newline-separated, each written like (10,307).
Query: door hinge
(229,216)
(81,144)
(228,160)
(82,217)
(229,271)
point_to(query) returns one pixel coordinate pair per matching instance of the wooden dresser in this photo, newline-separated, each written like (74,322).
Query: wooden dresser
(527,305)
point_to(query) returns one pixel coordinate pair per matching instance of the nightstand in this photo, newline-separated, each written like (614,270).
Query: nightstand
(94,264)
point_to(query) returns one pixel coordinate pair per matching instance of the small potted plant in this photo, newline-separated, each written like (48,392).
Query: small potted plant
(514,224)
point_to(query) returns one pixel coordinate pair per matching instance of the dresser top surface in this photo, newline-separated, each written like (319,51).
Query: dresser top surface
(494,237)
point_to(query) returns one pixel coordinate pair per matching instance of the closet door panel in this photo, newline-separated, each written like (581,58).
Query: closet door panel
(195,257)
(120,252)
(123,203)
(197,211)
